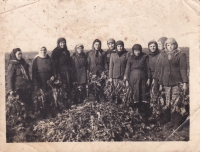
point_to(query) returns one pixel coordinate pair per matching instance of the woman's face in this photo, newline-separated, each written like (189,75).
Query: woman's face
(79,50)
(119,48)
(62,44)
(43,52)
(170,47)
(18,55)
(96,45)
(111,45)
(152,47)
(136,52)
(160,46)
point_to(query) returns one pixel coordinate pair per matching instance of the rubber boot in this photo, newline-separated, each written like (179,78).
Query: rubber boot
(165,117)
(171,123)
(145,110)
(136,107)
(177,121)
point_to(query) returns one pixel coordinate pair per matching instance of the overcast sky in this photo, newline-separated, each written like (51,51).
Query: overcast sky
(40,24)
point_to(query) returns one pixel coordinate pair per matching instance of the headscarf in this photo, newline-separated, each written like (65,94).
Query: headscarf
(77,46)
(62,50)
(60,40)
(97,52)
(172,53)
(139,48)
(96,40)
(123,49)
(157,51)
(13,59)
(172,41)
(162,40)
(40,55)
(111,40)
(109,51)
(119,43)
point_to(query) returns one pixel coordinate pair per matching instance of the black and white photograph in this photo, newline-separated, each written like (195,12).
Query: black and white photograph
(98,71)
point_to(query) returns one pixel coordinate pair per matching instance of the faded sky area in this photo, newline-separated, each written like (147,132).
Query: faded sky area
(33,24)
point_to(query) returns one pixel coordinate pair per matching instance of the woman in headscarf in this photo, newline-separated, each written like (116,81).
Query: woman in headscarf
(42,70)
(161,48)
(173,70)
(118,64)
(79,64)
(153,57)
(62,66)
(97,62)
(18,79)
(111,49)
(161,44)
(138,74)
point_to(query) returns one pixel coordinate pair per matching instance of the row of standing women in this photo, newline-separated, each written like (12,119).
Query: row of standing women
(165,66)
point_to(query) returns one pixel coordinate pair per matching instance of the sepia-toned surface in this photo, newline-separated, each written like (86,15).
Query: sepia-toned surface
(33,24)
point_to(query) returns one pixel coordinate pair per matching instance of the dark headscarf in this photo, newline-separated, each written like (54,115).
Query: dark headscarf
(123,49)
(97,52)
(96,40)
(59,49)
(13,59)
(157,51)
(139,48)
(60,56)
(60,40)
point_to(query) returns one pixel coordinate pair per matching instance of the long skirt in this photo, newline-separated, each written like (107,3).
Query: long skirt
(25,95)
(43,77)
(66,80)
(138,86)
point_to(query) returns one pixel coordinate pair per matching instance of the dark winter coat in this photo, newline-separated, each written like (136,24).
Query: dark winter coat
(170,72)
(79,63)
(153,57)
(62,65)
(108,55)
(61,58)
(138,67)
(97,62)
(137,72)
(42,70)
(117,65)
(18,76)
